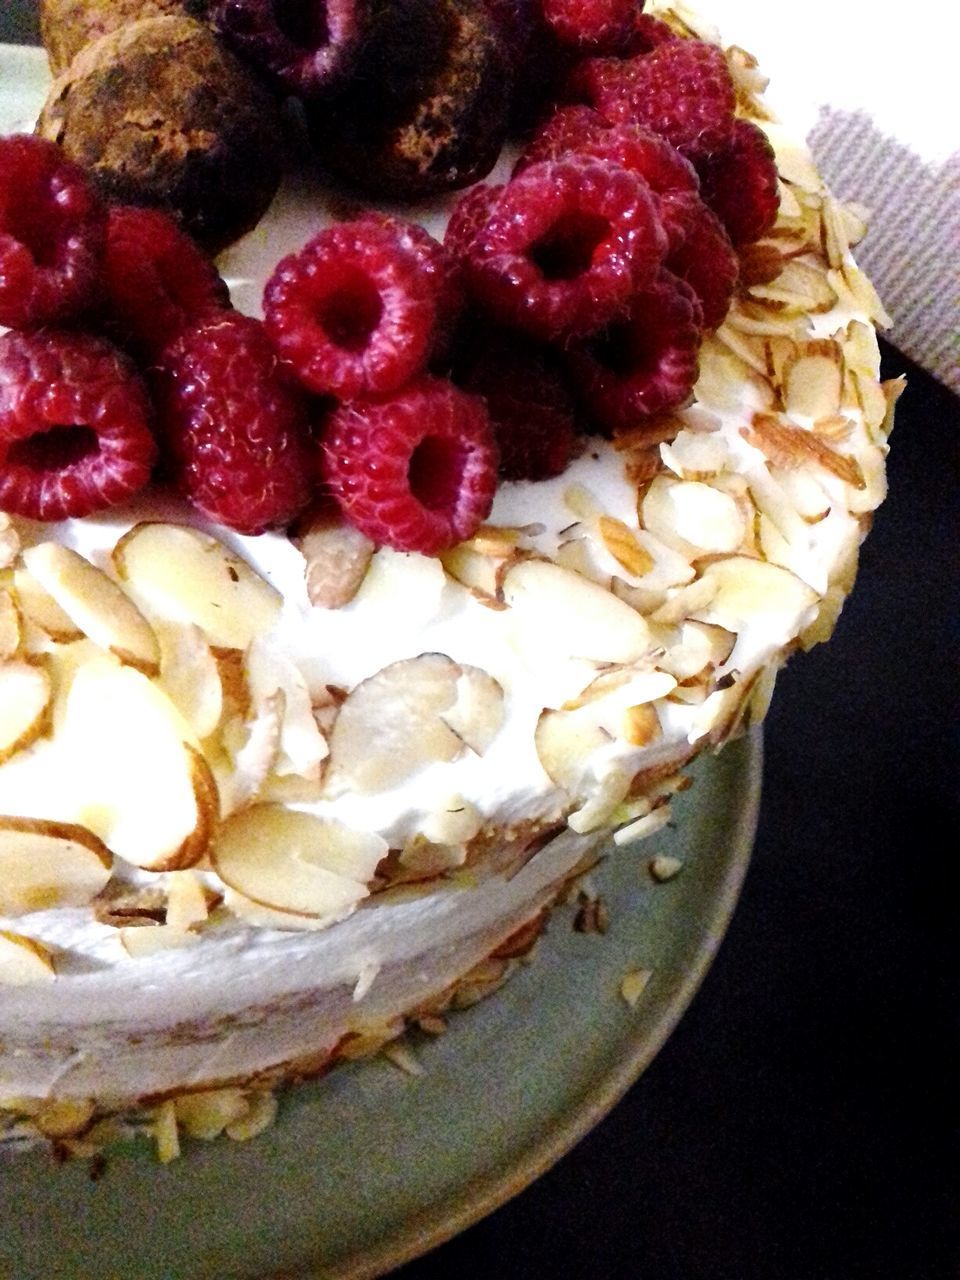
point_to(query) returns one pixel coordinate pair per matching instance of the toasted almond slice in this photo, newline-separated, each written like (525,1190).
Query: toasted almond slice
(475,570)
(561,614)
(337,558)
(621,541)
(190,675)
(187,900)
(183,575)
(141,785)
(255,757)
(96,604)
(692,517)
(454,822)
(11,627)
(9,541)
(303,748)
(752,591)
(392,725)
(25,700)
(24,961)
(147,940)
(41,609)
(477,712)
(788,445)
(695,648)
(813,380)
(49,864)
(290,861)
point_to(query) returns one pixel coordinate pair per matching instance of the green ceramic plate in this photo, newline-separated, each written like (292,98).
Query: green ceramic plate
(371,1167)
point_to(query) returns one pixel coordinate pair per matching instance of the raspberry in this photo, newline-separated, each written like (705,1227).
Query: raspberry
(156,280)
(235,430)
(74,425)
(645,364)
(469,217)
(585,132)
(564,248)
(309,48)
(681,90)
(600,26)
(708,262)
(531,409)
(436,263)
(739,184)
(355,312)
(648,32)
(51,234)
(417,470)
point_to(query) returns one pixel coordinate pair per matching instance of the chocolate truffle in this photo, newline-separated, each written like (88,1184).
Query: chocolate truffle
(159,114)
(413,126)
(67,25)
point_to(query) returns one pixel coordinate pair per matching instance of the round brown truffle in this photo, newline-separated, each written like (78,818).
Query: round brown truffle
(159,114)
(407,127)
(66,26)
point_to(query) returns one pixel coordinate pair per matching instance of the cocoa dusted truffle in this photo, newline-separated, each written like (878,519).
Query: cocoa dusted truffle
(427,107)
(160,115)
(68,25)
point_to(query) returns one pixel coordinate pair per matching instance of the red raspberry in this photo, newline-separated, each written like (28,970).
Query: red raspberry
(74,425)
(436,262)
(740,184)
(681,90)
(583,131)
(354,313)
(417,470)
(648,33)
(156,279)
(235,429)
(708,262)
(530,405)
(647,363)
(600,26)
(565,246)
(469,217)
(51,234)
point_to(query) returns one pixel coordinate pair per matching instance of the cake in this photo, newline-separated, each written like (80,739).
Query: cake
(272,796)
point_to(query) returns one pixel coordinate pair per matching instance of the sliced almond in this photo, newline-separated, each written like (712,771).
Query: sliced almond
(141,785)
(25,702)
(95,603)
(813,380)
(290,861)
(753,592)
(9,541)
(44,865)
(788,445)
(183,575)
(11,630)
(303,748)
(692,517)
(148,940)
(621,541)
(475,570)
(24,961)
(249,765)
(190,675)
(337,558)
(561,614)
(396,722)
(187,901)
(41,609)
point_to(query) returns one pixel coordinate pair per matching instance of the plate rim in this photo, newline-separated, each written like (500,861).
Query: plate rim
(482,1195)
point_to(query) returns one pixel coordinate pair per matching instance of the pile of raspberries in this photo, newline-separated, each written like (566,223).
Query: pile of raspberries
(398,376)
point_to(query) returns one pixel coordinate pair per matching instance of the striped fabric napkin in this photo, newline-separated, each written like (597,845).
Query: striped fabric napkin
(876,91)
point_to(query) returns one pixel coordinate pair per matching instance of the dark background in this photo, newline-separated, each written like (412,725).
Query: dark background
(801,1123)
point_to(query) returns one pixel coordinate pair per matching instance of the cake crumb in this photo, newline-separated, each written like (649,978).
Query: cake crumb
(633,984)
(662,867)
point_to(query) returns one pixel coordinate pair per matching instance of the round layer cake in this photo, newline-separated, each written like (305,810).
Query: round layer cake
(251,830)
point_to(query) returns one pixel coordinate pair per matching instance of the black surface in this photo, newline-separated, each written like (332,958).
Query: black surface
(801,1123)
